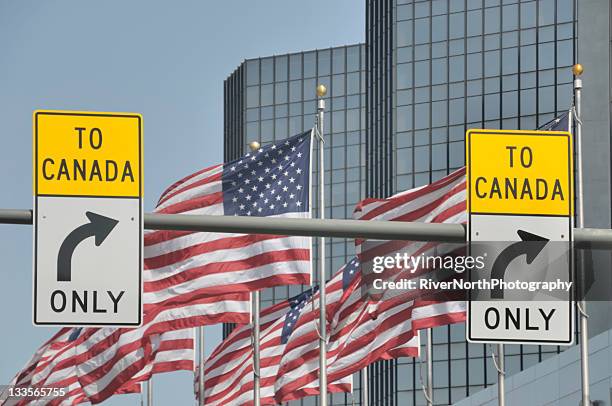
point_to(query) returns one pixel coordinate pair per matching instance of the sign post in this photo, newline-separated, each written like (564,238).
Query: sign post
(520,204)
(88,218)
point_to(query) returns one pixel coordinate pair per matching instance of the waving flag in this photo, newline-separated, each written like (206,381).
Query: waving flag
(443,201)
(355,339)
(175,352)
(272,182)
(229,369)
(366,329)
(29,376)
(299,365)
(107,359)
(234,355)
(60,359)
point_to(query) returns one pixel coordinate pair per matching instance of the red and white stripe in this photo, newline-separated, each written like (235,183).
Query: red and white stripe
(443,201)
(28,376)
(108,358)
(24,377)
(176,352)
(59,364)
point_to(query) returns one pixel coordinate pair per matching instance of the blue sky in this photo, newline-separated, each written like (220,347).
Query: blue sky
(164,59)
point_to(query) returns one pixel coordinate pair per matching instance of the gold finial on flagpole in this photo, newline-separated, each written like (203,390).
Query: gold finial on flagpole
(321,91)
(254,145)
(577,69)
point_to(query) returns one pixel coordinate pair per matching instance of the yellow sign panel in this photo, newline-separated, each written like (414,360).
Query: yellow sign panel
(87,154)
(520,172)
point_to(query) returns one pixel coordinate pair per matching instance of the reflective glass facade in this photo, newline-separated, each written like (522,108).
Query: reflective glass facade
(436,68)
(397,112)
(268,99)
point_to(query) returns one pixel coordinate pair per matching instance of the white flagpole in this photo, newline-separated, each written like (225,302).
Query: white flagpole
(581,303)
(429,350)
(150,391)
(201,365)
(501,375)
(321,92)
(256,353)
(365,395)
(255,309)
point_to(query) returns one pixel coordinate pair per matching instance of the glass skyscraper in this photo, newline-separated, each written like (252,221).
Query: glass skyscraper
(398,110)
(434,69)
(269,99)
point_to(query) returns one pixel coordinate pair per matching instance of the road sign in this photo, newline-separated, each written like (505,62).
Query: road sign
(520,207)
(88,218)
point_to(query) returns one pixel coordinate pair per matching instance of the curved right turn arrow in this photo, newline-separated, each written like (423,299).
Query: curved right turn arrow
(99,227)
(530,246)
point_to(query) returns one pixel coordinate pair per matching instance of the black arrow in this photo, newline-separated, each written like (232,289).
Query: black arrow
(98,227)
(530,246)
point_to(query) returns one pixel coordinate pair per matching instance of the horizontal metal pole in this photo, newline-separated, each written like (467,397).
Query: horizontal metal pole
(10,216)
(379,230)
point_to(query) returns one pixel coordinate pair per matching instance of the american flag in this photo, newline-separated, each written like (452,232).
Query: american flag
(366,329)
(355,339)
(229,369)
(232,359)
(100,362)
(55,364)
(130,360)
(443,201)
(108,359)
(31,374)
(273,181)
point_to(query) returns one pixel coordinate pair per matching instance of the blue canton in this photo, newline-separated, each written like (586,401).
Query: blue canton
(271,181)
(75,333)
(557,124)
(348,273)
(297,303)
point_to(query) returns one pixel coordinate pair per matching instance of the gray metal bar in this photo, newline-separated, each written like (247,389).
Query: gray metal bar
(596,238)
(384,230)
(11,216)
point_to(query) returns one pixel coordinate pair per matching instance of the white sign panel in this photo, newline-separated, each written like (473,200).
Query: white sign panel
(538,255)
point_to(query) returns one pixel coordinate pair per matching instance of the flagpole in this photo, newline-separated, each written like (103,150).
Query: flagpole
(201,365)
(321,92)
(255,309)
(429,350)
(365,395)
(150,391)
(501,375)
(256,353)
(577,70)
